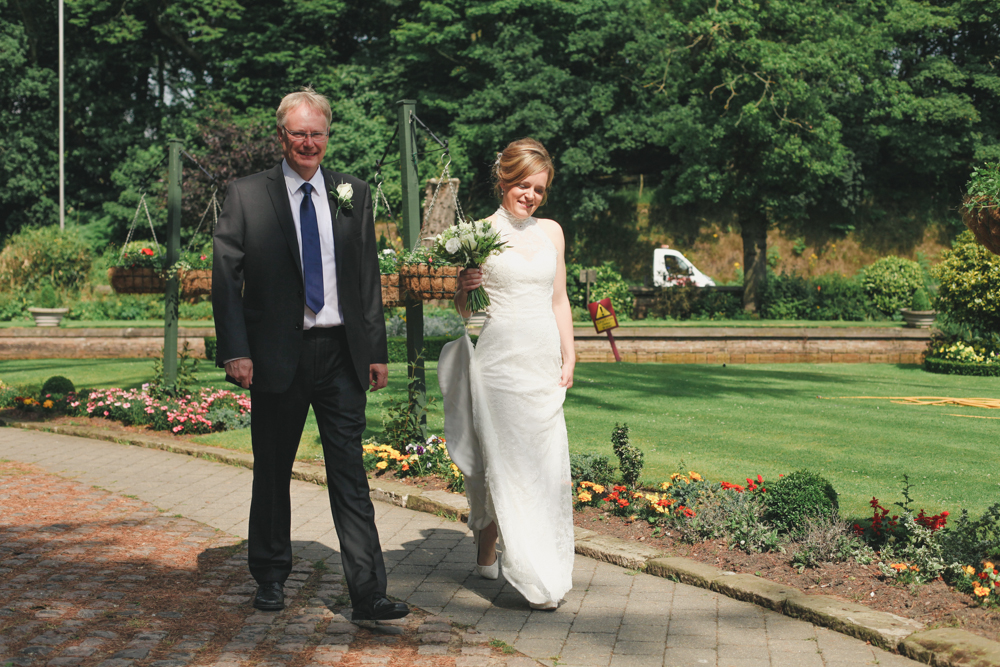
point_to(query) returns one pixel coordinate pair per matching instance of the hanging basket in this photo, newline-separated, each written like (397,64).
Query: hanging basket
(984,221)
(390,290)
(136,280)
(426,283)
(196,282)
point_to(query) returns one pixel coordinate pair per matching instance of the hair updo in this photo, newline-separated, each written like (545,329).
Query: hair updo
(522,158)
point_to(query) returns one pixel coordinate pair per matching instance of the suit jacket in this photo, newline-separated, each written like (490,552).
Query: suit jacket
(258,294)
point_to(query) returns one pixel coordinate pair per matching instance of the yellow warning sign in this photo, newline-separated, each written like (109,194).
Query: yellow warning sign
(603,315)
(602,312)
(603,324)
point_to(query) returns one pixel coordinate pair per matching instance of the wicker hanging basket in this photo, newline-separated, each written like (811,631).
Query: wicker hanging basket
(196,282)
(427,283)
(136,280)
(390,290)
(984,221)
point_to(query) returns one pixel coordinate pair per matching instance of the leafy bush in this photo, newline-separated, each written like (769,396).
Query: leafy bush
(46,296)
(630,458)
(230,419)
(609,285)
(969,291)
(13,305)
(33,254)
(971,540)
(592,468)
(432,348)
(825,539)
(735,516)
(797,496)
(890,282)
(211,345)
(920,300)
(689,302)
(444,322)
(57,384)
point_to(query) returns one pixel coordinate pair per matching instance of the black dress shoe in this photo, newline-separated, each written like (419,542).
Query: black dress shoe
(270,596)
(380,608)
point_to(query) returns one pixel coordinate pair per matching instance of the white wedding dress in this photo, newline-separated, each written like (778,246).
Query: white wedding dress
(518,472)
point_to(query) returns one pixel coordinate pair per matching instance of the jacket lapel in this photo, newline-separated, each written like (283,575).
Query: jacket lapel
(283,211)
(340,221)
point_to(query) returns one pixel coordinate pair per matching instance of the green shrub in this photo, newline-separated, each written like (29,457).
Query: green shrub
(592,468)
(609,285)
(920,300)
(889,284)
(57,384)
(969,291)
(211,345)
(827,297)
(948,367)
(45,252)
(432,347)
(46,296)
(796,497)
(13,305)
(630,458)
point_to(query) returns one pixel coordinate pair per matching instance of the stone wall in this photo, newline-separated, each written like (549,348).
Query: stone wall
(757,346)
(96,343)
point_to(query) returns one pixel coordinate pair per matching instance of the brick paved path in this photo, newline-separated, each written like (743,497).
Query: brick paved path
(611,617)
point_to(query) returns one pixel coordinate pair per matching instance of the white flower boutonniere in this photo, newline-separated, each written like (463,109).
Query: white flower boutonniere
(344,194)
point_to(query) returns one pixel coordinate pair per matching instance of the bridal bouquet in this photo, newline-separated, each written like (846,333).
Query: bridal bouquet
(469,244)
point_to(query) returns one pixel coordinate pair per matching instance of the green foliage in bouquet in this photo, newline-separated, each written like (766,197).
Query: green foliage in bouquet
(469,245)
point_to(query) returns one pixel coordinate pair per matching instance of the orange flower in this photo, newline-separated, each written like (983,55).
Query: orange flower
(899,567)
(406,466)
(982,591)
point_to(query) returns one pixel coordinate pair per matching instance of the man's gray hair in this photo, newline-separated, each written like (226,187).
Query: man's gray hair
(305,96)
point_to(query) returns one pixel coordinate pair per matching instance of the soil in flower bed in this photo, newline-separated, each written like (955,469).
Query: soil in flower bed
(934,604)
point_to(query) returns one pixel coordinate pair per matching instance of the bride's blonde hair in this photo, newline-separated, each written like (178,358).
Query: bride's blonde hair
(522,158)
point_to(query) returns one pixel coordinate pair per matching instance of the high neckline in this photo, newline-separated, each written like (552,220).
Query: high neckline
(511,219)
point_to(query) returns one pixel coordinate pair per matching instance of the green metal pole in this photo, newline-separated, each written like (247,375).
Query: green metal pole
(411,239)
(172,296)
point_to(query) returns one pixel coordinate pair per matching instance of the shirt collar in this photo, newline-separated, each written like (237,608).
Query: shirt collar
(294,181)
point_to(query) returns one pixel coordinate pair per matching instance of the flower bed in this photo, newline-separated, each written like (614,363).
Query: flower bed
(207,411)
(415,460)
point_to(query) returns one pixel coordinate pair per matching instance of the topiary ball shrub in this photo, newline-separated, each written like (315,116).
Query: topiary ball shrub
(889,284)
(797,496)
(57,384)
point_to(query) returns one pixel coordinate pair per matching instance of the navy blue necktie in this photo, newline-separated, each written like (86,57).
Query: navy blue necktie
(312,255)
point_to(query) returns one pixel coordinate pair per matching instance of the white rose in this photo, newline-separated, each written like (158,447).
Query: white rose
(345,191)
(453,245)
(469,241)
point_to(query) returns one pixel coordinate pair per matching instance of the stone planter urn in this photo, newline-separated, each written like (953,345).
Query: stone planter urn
(48,317)
(918,319)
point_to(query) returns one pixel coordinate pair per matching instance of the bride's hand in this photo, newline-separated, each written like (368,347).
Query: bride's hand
(566,380)
(469,279)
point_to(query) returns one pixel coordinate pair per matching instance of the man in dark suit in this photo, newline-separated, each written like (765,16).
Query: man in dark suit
(298,316)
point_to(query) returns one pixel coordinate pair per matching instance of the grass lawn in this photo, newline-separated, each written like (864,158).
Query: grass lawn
(725,422)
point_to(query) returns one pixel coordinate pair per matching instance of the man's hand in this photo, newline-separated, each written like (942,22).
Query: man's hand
(378,376)
(241,370)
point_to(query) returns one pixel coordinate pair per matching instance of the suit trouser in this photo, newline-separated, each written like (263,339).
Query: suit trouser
(325,379)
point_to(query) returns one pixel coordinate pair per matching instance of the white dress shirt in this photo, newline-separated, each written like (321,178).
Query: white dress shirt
(330,315)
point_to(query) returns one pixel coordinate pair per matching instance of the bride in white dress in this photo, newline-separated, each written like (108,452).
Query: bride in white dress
(522,365)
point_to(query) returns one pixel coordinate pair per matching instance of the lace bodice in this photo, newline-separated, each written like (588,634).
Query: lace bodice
(519,280)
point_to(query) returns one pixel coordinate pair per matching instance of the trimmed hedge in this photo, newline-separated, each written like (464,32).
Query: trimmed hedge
(397,347)
(946,367)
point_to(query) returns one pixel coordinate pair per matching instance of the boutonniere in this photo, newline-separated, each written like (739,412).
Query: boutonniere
(344,194)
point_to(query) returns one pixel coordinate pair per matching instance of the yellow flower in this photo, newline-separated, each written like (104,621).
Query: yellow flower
(597,488)
(658,509)
(383,455)
(584,497)
(694,476)
(382,465)
(48,404)
(587,485)
(665,485)
(981,591)
(987,565)
(969,570)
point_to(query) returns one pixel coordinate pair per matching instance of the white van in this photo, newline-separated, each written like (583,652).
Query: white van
(671,268)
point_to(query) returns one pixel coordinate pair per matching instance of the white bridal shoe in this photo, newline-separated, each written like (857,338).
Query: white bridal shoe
(491,571)
(544,606)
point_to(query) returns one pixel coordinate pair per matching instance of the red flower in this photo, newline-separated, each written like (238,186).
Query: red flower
(147,251)
(203,258)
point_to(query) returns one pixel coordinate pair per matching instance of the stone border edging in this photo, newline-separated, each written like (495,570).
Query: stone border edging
(943,647)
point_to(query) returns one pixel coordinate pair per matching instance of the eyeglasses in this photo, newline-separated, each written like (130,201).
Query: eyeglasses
(318,137)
